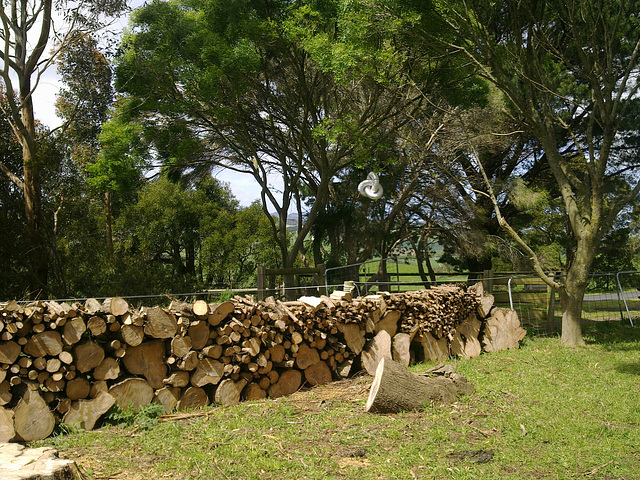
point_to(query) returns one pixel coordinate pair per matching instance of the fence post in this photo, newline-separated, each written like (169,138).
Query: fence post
(262,282)
(551,307)
(321,279)
(487,280)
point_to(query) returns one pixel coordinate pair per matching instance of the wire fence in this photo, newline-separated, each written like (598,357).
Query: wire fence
(609,296)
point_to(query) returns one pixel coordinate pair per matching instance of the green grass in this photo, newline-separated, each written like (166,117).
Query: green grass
(542,411)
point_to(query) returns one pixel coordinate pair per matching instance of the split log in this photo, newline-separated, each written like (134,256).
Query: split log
(318,374)
(109,369)
(9,352)
(209,371)
(313,303)
(379,348)
(468,331)
(178,379)
(199,334)
(45,343)
(115,306)
(354,336)
(160,324)
(98,387)
(395,389)
(132,393)
(7,431)
(228,392)
(430,348)
(180,346)
(193,398)
(252,346)
(147,359)
(190,361)
(388,322)
(85,413)
(502,331)
(73,330)
(168,397)
(212,351)
(5,393)
(92,306)
(456,344)
(401,349)
(132,335)
(288,383)
(32,418)
(344,368)
(219,311)
(97,326)
(485,304)
(88,355)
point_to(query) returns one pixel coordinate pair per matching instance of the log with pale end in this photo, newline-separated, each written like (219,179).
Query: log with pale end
(193,398)
(132,393)
(502,331)
(32,418)
(288,383)
(159,323)
(85,413)
(228,392)
(147,359)
(395,389)
(378,348)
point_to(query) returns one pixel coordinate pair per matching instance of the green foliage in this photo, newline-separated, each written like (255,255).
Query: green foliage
(191,235)
(119,166)
(87,93)
(144,417)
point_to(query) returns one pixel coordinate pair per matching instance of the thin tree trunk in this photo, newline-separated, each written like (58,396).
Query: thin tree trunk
(37,252)
(108,222)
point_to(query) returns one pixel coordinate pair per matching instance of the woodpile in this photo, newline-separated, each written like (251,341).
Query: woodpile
(73,362)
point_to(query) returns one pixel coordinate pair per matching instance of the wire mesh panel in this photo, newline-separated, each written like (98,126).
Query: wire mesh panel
(393,274)
(629,288)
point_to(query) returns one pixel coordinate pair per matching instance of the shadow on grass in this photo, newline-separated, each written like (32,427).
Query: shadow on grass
(630,368)
(612,335)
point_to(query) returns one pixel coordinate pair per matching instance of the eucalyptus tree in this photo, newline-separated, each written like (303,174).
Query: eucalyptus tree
(570,69)
(32,33)
(233,84)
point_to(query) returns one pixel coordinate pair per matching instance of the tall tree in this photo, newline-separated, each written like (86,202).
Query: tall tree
(27,28)
(83,104)
(570,69)
(254,99)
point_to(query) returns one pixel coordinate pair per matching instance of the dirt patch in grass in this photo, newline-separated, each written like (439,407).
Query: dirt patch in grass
(100,460)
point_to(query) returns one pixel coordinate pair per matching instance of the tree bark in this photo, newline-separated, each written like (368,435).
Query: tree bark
(395,389)
(108,222)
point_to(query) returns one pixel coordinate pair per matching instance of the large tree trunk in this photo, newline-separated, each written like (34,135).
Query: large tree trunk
(571,299)
(572,295)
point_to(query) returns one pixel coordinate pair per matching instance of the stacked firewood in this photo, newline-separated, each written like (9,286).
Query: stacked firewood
(73,362)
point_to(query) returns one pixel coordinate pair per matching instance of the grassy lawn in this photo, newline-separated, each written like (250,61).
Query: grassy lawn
(542,411)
